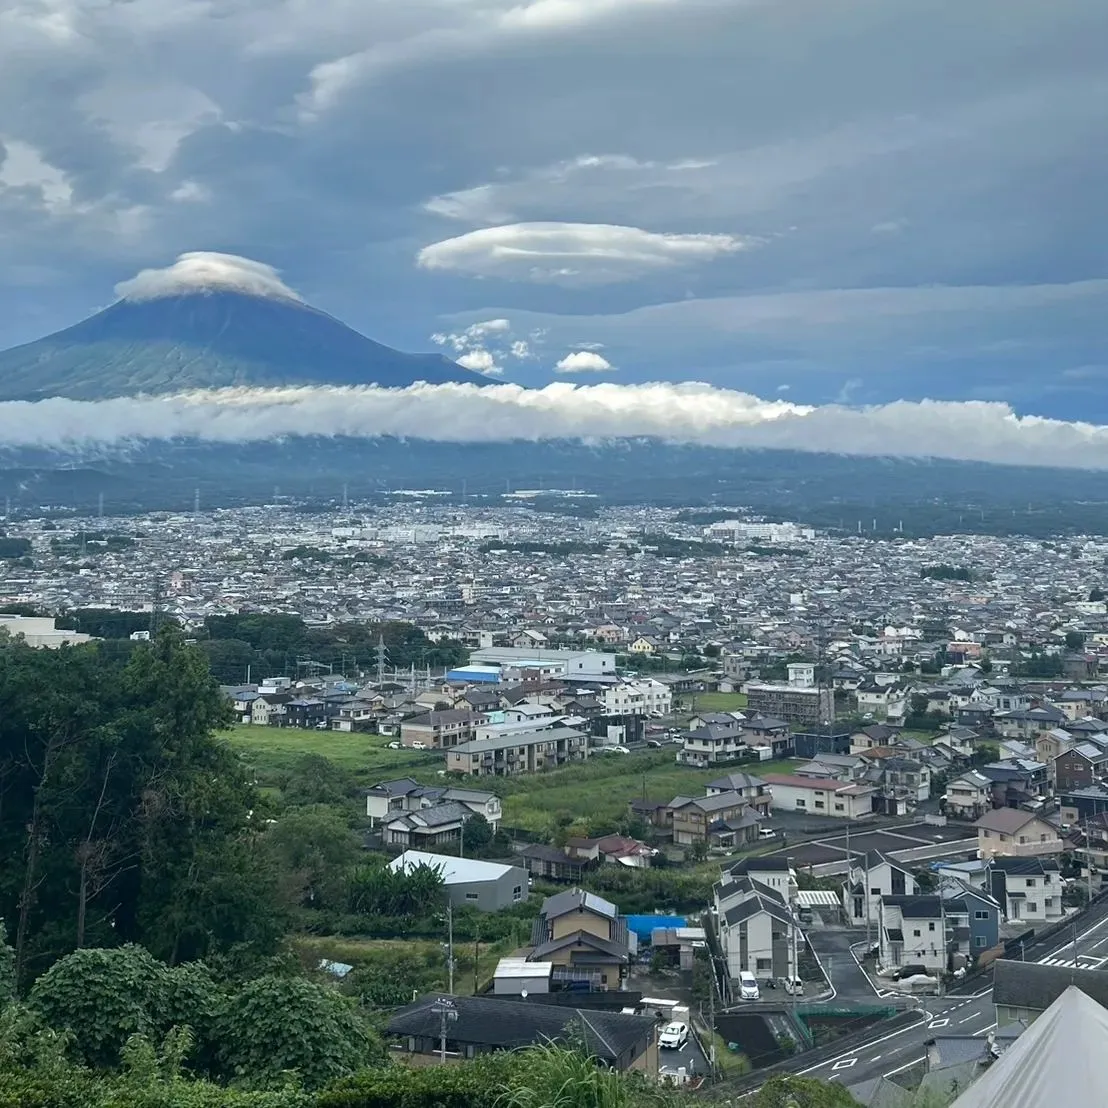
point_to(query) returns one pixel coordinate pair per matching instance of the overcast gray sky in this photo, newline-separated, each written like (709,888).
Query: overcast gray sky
(818,200)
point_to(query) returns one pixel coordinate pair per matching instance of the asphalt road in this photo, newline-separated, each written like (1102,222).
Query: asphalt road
(832,948)
(974,1014)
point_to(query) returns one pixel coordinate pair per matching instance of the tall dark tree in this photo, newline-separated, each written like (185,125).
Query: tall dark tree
(123,817)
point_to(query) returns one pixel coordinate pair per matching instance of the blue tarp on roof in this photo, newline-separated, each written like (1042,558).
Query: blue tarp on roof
(643,926)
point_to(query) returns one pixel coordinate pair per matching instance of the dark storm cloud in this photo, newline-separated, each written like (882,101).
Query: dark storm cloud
(697,184)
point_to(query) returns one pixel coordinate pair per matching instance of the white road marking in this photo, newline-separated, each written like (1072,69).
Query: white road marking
(845,1064)
(937,1023)
(975,1016)
(876,1042)
(906,1066)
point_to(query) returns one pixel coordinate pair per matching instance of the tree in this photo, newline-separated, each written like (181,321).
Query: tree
(801,1092)
(477,835)
(7,969)
(121,813)
(1096,594)
(277,1026)
(314,779)
(1075,640)
(314,850)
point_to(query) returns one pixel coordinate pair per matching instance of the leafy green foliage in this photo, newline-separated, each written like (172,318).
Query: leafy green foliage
(275,1027)
(123,818)
(314,849)
(14,548)
(7,968)
(102,998)
(317,780)
(274,642)
(944,572)
(374,889)
(801,1092)
(477,835)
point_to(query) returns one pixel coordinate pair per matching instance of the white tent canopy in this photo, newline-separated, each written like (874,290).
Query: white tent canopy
(1062,1058)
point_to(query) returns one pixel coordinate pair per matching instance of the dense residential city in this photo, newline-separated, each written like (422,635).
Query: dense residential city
(747,798)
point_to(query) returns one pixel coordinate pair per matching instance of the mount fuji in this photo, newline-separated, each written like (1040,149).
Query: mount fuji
(210,321)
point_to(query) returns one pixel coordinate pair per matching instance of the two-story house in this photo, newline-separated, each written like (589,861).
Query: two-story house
(585,938)
(440,730)
(752,789)
(912,931)
(387,799)
(872,876)
(725,819)
(968,796)
(773,871)
(1027,889)
(974,918)
(714,742)
(876,734)
(816,797)
(1079,767)
(1014,832)
(758,932)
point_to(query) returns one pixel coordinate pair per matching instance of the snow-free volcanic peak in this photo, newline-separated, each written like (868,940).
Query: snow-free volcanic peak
(210,321)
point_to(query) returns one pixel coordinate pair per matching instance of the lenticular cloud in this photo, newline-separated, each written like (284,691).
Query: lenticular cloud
(675,413)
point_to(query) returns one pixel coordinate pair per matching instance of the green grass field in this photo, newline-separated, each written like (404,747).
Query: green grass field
(602,787)
(273,751)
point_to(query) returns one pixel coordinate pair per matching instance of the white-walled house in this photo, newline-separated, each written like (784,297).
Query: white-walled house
(872,876)
(911,932)
(774,872)
(757,931)
(820,796)
(1027,889)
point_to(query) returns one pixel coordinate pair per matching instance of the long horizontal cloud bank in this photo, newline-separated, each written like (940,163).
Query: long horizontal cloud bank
(685,413)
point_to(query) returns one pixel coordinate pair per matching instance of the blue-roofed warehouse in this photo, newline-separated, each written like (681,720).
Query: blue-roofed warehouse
(475,675)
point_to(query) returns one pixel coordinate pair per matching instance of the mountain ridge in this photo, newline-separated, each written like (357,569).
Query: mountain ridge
(207,339)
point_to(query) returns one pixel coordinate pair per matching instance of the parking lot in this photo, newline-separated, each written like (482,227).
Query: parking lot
(690,1056)
(922,837)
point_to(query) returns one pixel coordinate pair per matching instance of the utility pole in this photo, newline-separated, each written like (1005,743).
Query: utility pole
(447,1012)
(869,932)
(1088,865)
(450,947)
(712,1015)
(476,954)
(100,505)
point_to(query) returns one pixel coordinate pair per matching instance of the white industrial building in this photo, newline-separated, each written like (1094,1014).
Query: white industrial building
(41,631)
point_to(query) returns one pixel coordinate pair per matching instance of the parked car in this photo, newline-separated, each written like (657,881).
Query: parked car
(748,986)
(793,986)
(417,744)
(393,746)
(674,1036)
(766,833)
(653,742)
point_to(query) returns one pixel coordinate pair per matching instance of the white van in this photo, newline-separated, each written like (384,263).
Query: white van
(766,833)
(748,986)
